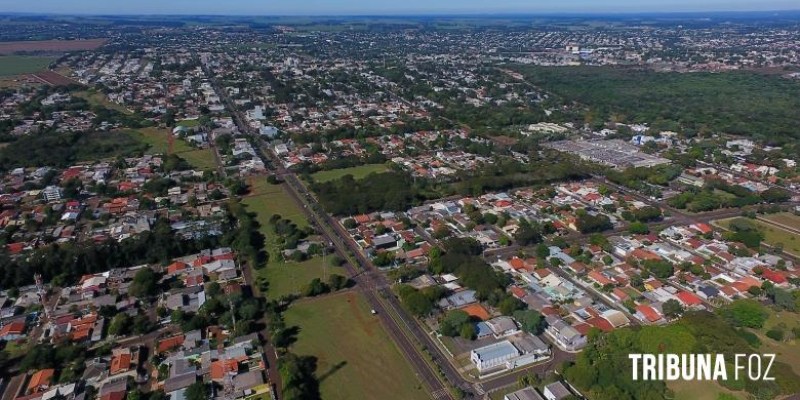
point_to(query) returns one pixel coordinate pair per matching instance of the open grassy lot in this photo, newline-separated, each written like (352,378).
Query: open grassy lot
(189,123)
(158,140)
(772,235)
(284,278)
(267,199)
(290,277)
(787,351)
(357,172)
(787,219)
(356,357)
(17,65)
(700,390)
(99,99)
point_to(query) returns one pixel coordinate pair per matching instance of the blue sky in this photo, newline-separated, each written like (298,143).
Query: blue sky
(372,7)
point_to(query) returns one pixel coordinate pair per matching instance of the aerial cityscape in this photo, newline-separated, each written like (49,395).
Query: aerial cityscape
(430,200)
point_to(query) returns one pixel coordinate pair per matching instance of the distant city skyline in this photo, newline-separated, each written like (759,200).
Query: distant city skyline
(363,7)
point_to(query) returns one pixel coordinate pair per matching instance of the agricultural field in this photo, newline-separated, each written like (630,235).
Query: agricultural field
(18,65)
(358,172)
(158,141)
(50,46)
(356,357)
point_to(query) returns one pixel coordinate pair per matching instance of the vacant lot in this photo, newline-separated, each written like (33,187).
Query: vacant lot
(50,46)
(357,172)
(773,235)
(189,123)
(291,277)
(699,390)
(267,199)
(99,99)
(283,278)
(356,357)
(158,140)
(18,65)
(787,219)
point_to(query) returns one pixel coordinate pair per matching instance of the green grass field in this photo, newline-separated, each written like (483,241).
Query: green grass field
(99,99)
(284,278)
(787,351)
(357,172)
(772,235)
(189,123)
(788,219)
(267,199)
(700,390)
(18,65)
(291,277)
(158,141)
(356,357)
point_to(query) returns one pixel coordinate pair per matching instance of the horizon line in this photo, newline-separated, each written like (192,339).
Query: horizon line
(408,14)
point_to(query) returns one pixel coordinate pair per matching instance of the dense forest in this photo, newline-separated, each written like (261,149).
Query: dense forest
(390,191)
(64,149)
(761,106)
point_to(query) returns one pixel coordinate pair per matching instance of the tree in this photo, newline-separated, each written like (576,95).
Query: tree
(384,258)
(542,251)
(672,309)
(638,228)
(776,195)
(120,325)
(468,331)
(660,268)
(145,283)
(338,282)
(197,391)
(315,288)
(510,304)
(530,321)
(588,223)
(452,322)
(745,313)
(416,302)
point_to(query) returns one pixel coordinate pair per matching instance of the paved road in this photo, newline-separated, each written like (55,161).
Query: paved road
(269,350)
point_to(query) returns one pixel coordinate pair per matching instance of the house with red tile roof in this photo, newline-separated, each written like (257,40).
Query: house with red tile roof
(220,368)
(478,311)
(170,343)
(644,255)
(577,267)
(776,277)
(121,361)
(600,323)
(12,331)
(518,292)
(648,314)
(597,277)
(688,299)
(40,381)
